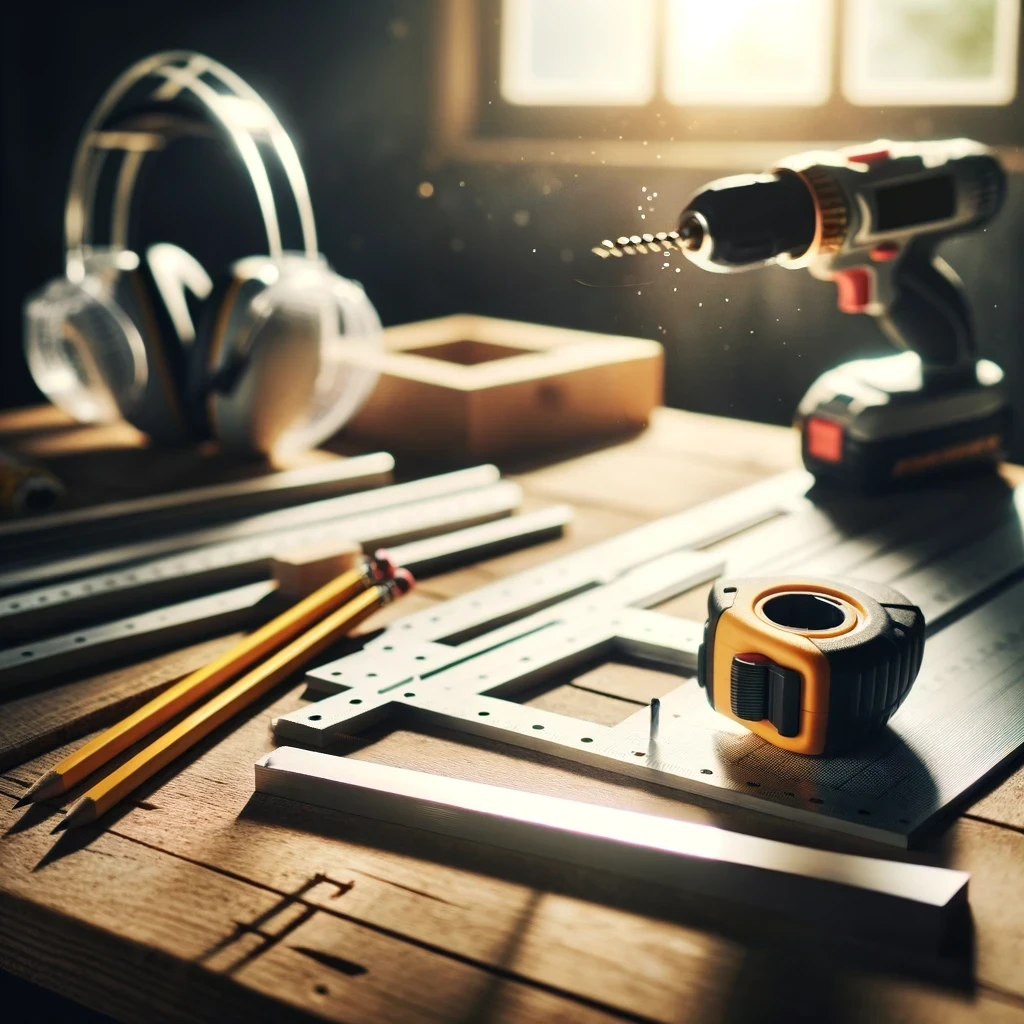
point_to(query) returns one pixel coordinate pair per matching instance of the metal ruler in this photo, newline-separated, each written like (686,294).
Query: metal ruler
(211,566)
(37,574)
(461,682)
(190,508)
(139,634)
(190,571)
(900,901)
(190,621)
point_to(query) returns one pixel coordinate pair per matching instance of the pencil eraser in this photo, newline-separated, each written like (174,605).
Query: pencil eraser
(404,580)
(384,565)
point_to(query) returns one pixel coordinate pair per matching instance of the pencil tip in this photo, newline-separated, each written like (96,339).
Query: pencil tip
(51,784)
(81,812)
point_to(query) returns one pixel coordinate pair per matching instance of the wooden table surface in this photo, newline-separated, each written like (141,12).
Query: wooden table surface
(200,900)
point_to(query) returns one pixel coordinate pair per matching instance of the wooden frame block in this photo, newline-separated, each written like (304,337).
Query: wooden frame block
(465,388)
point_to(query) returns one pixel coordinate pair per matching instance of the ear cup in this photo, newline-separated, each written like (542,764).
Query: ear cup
(215,361)
(290,353)
(85,354)
(267,369)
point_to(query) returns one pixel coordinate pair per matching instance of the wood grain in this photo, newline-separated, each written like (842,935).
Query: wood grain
(201,900)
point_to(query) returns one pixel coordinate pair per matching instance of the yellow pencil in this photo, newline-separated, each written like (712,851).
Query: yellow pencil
(109,791)
(194,687)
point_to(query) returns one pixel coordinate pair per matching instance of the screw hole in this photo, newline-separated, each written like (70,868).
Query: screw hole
(79,639)
(706,771)
(483,714)
(587,739)
(27,654)
(336,673)
(638,753)
(756,785)
(315,718)
(863,810)
(538,727)
(409,694)
(421,657)
(816,800)
(320,990)
(356,700)
(728,590)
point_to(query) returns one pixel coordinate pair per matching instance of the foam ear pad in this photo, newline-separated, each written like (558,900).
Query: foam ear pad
(158,412)
(265,384)
(226,320)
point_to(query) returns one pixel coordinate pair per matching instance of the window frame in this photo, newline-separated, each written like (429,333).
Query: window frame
(474,123)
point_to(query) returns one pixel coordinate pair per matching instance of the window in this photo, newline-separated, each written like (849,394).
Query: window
(608,62)
(748,52)
(758,52)
(703,80)
(929,52)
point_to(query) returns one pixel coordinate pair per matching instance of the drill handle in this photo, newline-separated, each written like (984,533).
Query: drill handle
(928,312)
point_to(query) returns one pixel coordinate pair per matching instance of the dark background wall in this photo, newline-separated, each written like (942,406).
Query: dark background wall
(352,81)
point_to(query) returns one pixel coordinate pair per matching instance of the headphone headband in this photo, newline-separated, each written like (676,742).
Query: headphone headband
(225,101)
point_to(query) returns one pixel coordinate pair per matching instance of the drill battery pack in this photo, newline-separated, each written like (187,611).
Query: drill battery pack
(875,423)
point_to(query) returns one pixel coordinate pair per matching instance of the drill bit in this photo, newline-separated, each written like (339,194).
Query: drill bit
(661,241)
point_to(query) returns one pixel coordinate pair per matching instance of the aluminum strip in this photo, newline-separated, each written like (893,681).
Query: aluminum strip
(284,519)
(163,628)
(196,506)
(902,901)
(217,566)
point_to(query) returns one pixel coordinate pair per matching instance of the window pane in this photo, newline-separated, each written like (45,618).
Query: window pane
(577,51)
(931,51)
(749,52)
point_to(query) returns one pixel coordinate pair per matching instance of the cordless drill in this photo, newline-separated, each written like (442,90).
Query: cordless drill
(869,218)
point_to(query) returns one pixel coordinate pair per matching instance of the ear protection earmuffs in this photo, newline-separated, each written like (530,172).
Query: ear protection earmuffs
(283,351)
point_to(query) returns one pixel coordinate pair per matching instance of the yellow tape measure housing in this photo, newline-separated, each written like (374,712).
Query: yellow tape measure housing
(813,666)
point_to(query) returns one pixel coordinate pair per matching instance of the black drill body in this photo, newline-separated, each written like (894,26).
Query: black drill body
(869,219)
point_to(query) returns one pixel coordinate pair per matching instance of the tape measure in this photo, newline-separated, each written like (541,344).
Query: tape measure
(812,665)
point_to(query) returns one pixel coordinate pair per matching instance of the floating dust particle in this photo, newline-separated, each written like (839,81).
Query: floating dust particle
(425,189)
(643,188)
(678,269)
(700,303)
(521,218)
(726,300)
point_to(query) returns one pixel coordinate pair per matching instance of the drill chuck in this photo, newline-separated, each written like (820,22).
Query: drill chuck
(748,220)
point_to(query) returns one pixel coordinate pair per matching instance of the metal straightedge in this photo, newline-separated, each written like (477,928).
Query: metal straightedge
(196,506)
(890,900)
(453,664)
(231,562)
(142,634)
(235,609)
(281,523)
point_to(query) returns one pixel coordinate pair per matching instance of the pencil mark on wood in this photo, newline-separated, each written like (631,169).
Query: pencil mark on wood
(336,963)
(409,888)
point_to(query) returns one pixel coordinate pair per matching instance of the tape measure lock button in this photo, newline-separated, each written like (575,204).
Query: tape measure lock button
(762,690)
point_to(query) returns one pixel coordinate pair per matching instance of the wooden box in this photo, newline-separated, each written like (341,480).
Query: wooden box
(471,388)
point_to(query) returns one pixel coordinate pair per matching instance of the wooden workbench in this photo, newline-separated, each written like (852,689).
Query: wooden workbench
(202,901)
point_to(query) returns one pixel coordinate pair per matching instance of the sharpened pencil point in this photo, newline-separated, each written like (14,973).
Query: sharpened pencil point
(49,785)
(81,812)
